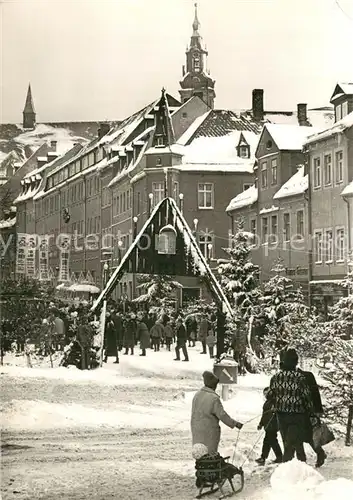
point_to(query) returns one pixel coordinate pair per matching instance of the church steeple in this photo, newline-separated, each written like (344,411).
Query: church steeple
(196,23)
(164,132)
(196,80)
(29,114)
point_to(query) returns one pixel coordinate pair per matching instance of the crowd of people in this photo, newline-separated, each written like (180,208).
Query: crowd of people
(292,408)
(125,331)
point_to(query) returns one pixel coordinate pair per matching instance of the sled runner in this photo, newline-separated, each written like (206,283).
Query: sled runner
(213,471)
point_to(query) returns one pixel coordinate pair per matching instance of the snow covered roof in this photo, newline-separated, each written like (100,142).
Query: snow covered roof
(47,133)
(273,208)
(173,148)
(123,131)
(342,89)
(297,184)
(289,137)
(322,117)
(130,168)
(337,128)
(244,199)
(6,223)
(348,190)
(191,130)
(221,150)
(220,122)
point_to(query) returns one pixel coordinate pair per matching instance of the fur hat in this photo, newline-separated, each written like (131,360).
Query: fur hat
(209,379)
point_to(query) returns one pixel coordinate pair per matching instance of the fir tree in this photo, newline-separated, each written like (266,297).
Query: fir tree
(284,310)
(340,389)
(239,277)
(159,293)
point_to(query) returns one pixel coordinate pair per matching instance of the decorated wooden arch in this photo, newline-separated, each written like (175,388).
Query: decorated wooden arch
(165,245)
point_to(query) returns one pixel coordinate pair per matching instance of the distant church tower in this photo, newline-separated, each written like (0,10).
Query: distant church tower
(29,114)
(196,79)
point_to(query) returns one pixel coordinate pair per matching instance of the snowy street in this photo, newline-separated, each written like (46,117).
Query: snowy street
(123,431)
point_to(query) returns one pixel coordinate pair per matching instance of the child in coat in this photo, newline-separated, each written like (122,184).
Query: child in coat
(211,342)
(269,423)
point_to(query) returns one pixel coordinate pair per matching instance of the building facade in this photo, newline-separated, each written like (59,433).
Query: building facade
(330,160)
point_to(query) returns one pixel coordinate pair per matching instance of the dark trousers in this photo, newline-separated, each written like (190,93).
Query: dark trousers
(203,342)
(292,427)
(271,442)
(156,343)
(182,346)
(168,342)
(211,351)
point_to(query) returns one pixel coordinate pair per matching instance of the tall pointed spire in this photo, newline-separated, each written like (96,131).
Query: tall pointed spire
(164,132)
(196,23)
(196,78)
(29,114)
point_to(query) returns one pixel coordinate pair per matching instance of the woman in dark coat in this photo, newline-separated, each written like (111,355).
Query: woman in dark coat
(143,335)
(130,334)
(293,405)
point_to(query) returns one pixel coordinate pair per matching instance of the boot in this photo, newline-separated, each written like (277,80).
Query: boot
(321,457)
(126,352)
(278,460)
(260,461)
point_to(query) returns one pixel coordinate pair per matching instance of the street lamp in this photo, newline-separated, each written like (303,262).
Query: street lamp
(120,244)
(150,203)
(181,202)
(209,247)
(105,273)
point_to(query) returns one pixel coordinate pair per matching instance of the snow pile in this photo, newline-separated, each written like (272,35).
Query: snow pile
(296,480)
(297,184)
(244,199)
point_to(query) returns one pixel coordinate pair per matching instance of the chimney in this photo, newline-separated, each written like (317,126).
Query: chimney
(41,160)
(302,115)
(184,70)
(258,104)
(103,129)
(53,145)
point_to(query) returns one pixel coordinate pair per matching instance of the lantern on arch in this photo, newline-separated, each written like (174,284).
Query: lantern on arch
(167,240)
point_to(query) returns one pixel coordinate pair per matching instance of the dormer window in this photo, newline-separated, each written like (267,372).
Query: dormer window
(158,161)
(159,141)
(244,151)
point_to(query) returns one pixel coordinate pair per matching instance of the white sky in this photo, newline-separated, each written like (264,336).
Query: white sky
(104,59)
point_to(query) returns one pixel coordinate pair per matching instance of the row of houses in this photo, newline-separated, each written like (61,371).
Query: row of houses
(85,202)
(299,205)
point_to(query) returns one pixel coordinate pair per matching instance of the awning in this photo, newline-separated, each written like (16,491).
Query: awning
(83,287)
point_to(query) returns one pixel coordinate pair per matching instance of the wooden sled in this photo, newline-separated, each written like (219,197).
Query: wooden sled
(212,473)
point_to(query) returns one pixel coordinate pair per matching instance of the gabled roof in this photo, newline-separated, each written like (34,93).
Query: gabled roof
(244,199)
(288,137)
(188,253)
(123,132)
(342,89)
(296,185)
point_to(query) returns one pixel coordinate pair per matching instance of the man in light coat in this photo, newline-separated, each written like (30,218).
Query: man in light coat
(207,411)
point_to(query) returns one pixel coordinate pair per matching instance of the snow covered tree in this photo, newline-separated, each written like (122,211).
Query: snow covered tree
(239,277)
(340,388)
(159,293)
(341,313)
(284,310)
